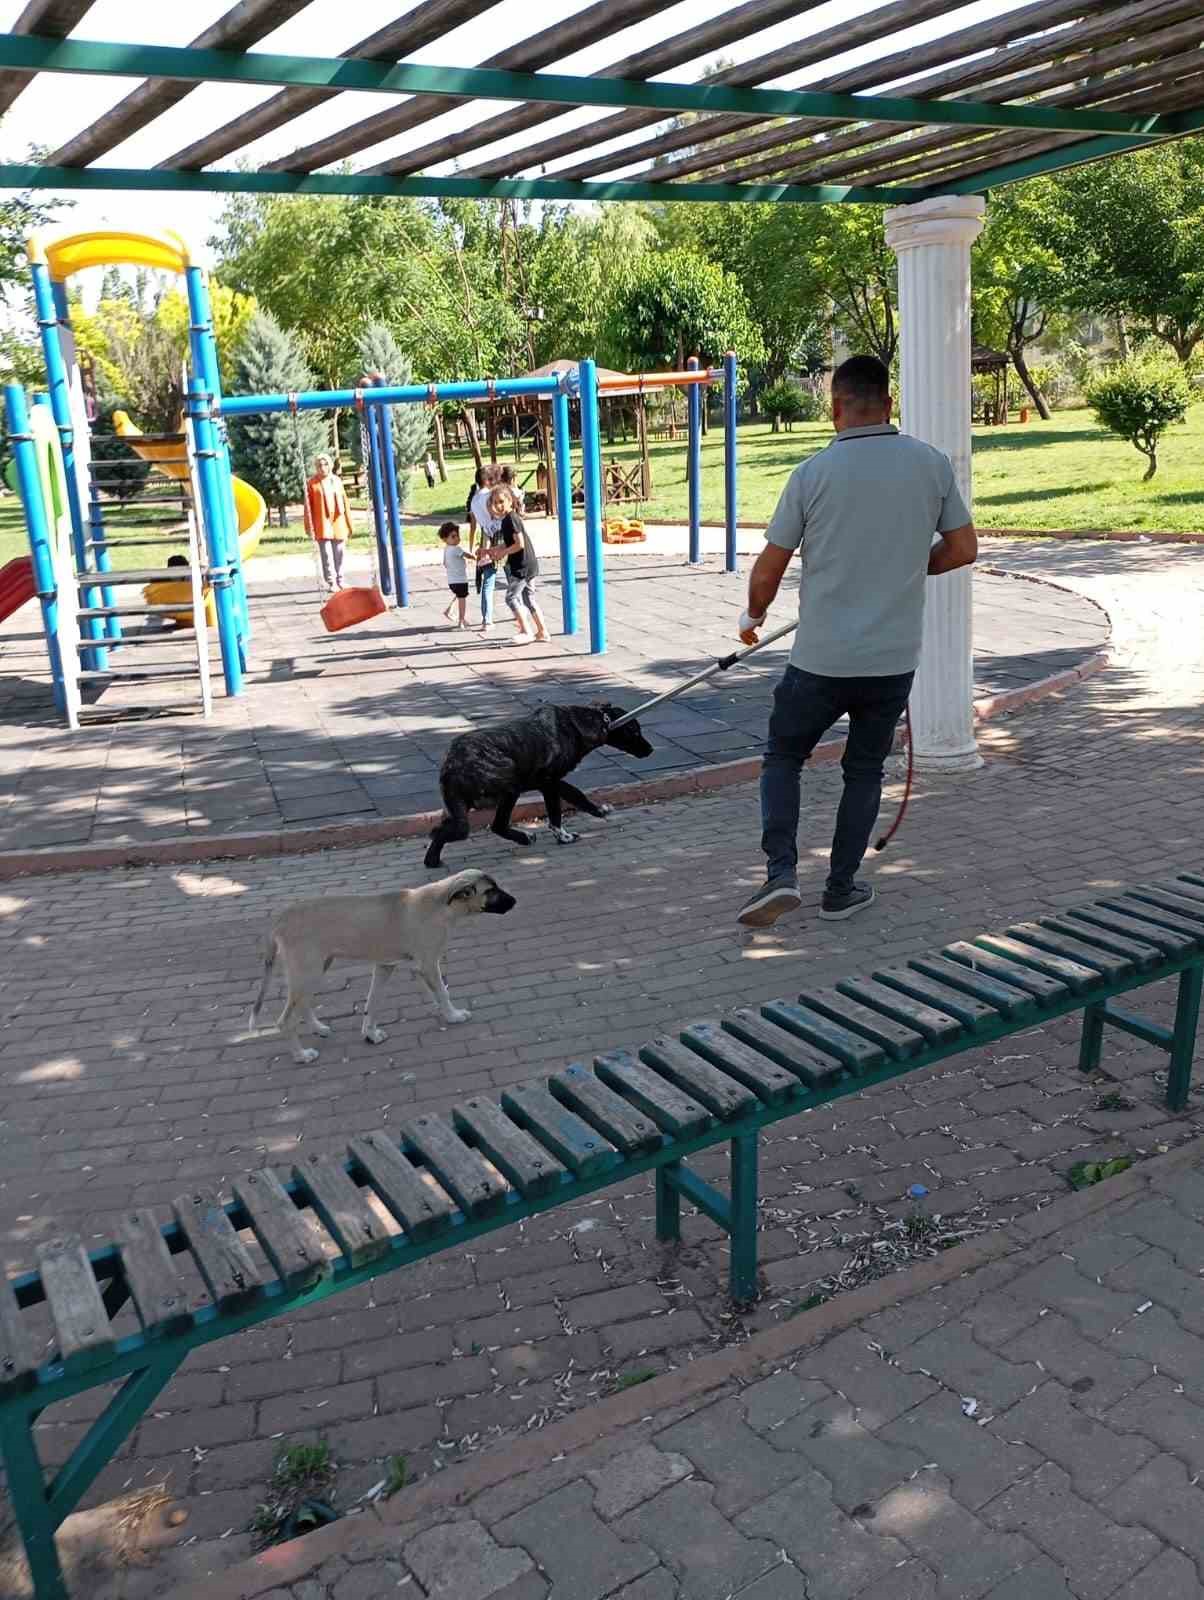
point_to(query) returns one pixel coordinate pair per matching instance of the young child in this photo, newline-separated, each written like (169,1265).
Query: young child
(455,564)
(522,566)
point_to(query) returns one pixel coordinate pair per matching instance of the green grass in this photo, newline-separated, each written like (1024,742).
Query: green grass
(1062,474)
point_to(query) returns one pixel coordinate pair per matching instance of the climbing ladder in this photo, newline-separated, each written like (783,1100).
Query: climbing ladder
(164,653)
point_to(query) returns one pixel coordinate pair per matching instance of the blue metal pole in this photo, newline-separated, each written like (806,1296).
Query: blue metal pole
(729,460)
(241,405)
(30,483)
(210,478)
(58,380)
(388,469)
(203,348)
(591,462)
(384,556)
(564,510)
(694,462)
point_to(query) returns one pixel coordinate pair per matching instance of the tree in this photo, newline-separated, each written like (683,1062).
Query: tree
(1131,234)
(856,267)
(1139,399)
(783,401)
(265,449)
(20,216)
(576,264)
(379,354)
(1018,282)
(232,312)
(676,304)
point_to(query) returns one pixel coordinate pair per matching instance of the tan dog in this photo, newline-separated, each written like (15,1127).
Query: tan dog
(385,929)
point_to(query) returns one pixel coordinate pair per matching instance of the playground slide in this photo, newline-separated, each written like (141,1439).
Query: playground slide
(16,585)
(250,508)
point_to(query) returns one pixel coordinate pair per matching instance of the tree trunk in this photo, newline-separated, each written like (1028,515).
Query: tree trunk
(1153,466)
(1122,336)
(1026,378)
(491,432)
(470,427)
(440,459)
(777,424)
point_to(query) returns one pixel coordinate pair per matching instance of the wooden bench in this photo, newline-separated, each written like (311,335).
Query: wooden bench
(440,1181)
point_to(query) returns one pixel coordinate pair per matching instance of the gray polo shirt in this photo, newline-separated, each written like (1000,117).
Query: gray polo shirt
(865,510)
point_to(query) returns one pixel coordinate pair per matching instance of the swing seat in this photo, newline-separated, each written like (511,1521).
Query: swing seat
(617,530)
(347,607)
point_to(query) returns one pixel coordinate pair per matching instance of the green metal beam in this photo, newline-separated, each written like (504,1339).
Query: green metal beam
(28,176)
(1061,158)
(191,65)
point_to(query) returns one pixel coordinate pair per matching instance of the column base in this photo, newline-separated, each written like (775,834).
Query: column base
(962,761)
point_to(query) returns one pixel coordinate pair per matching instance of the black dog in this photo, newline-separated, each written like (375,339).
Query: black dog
(532,752)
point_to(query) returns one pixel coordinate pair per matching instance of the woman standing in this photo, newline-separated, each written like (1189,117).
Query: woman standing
(329,518)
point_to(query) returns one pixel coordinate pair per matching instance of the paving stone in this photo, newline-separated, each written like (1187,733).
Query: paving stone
(978,1463)
(836,1554)
(1093,1552)
(614,1305)
(969,1557)
(740,1464)
(658,1585)
(1094,1456)
(783,1583)
(1166,1226)
(636,1475)
(955,1358)
(1041,1580)
(549,1358)
(649,1334)
(1058,1284)
(1161,1412)
(1095,1376)
(859,1465)
(1153,1275)
(1155,1336)
(1162,1497)
(702,1547)
(881,1390)
(1170,1576)
(369,1581)
(585,1566)
(462,1561)
(774,1400)
(911,1581)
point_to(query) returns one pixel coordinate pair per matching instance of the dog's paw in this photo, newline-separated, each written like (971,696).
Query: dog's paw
(322,1029)
(305,1058)
(566,835)
(373,1034)
(457,1014)
(604,810)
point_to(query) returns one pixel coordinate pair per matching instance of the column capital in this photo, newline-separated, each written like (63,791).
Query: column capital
(945,219)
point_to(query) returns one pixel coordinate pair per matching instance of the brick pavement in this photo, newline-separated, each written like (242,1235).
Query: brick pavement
(352,726)
(122,1077)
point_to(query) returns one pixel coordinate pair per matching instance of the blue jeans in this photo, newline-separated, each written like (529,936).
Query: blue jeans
(805,706)
(488,579)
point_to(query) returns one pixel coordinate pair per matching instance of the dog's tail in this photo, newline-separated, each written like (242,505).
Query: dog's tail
(269,961)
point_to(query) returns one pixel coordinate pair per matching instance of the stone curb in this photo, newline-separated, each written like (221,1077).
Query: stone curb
(289,1563)
(343,835)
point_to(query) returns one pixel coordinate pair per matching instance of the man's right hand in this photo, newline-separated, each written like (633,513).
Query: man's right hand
(747,627)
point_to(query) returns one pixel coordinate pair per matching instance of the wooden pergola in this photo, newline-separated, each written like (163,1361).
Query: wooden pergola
(985,362)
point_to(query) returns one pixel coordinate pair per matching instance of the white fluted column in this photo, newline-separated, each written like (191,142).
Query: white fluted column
(932,240)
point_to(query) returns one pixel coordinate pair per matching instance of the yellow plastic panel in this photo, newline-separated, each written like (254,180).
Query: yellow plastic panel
(163,252)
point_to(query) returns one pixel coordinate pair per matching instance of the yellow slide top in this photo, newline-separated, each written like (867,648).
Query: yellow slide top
(73,252)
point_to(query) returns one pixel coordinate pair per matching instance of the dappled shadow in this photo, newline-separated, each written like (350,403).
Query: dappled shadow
(1024,496)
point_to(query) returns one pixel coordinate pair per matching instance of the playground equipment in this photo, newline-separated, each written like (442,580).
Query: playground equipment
(16,585)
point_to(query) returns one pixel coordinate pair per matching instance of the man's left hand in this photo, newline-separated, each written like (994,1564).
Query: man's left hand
(747,627)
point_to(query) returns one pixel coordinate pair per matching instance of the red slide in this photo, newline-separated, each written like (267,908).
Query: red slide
(16,585)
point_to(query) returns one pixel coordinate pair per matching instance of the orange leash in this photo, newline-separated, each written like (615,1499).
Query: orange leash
(902,811)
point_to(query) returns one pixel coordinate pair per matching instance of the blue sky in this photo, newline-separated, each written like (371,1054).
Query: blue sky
(54,109)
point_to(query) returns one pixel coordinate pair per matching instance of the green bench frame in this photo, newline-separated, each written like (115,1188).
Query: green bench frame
(547,1142)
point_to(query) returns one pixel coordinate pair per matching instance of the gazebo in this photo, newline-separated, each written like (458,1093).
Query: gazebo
(985,362)
(925,127)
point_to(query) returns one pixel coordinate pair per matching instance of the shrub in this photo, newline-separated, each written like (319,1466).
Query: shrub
(784,402)
(264,448)
(1139,399)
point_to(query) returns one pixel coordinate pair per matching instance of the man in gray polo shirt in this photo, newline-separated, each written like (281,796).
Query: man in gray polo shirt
(864,511)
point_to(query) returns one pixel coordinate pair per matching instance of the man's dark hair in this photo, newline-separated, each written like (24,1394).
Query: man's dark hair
(862,382)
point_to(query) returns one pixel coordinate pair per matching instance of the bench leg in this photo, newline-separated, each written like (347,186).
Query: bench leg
(26,1490)
(1093,1037)
(1183,1042)
(743,1279)
(668,1203)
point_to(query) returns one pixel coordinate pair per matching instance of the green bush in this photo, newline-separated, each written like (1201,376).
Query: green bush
(1139,399)
(784,402)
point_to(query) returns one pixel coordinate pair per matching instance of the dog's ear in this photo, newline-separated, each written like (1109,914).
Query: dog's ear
(590,722)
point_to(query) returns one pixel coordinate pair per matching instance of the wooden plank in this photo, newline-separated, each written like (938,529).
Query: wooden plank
(1192,877)
(461,1171)
(1073,974)
(1166,940)
(1107,962)
(221,1257)
(718,1093)
(675,1113)
(1130,906)
(898,1041)
(19,1356)
(973,1014)
(344,1210)
(291,1239)
(767,1080)
(1040,987)
(1004,997)
(1183,887)
(1188,910)
(828,1037)
(158,1295)
(763,1032)
(529,1167)
(935,1026)
(582,1148)
(1141,953)
(81,1325)
(420,1208)
(627,1129)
